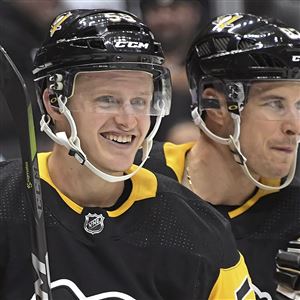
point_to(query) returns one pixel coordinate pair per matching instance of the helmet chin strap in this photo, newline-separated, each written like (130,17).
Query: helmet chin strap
(234,145)
(225,141)
(240,159)
(72,144)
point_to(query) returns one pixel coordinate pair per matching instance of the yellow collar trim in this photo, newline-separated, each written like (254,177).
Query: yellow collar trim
(175,157)
(260,193)
(44,174)
(144,185)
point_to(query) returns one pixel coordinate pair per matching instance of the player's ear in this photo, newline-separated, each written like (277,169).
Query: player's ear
(217,115)
(49,100)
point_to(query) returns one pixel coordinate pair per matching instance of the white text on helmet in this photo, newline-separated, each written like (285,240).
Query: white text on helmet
(291,33)
(137,45)
(296,58)
(119,17)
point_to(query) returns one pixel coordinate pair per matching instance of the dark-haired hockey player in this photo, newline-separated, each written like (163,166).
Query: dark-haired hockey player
(114,230)
(244,76)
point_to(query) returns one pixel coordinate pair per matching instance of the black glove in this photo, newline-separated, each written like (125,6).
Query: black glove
(288,271)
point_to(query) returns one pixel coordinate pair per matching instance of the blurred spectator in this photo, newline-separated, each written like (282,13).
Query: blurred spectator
(287,11)
(174,23)
(22,28)
(90,4)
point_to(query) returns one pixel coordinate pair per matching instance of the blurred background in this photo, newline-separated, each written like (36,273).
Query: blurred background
(24,23)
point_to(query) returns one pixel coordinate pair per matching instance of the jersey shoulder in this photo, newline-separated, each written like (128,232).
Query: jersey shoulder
(194,222)
(168,159)
(199,217)
(157,160)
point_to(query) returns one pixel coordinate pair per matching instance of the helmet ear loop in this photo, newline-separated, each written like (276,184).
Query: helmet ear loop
(54,105)
(235,99)
(236,96)
(197,116)
(63,109)
(46,117)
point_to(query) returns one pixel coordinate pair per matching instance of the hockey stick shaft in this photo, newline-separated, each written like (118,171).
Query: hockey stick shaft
(15,92)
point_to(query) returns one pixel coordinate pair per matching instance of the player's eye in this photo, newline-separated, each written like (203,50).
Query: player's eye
(139,103)
(274,104)
(107,101)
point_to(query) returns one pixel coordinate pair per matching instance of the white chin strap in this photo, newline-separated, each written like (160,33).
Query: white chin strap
(72,143)
(225,141)
(234,145)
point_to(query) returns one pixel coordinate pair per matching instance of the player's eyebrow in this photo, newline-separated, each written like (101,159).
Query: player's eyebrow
(272,96)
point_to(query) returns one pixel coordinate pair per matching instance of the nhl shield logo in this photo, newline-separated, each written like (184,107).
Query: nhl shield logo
(93,223)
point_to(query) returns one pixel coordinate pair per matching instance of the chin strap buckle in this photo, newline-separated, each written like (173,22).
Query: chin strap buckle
(78,155)
(236,151)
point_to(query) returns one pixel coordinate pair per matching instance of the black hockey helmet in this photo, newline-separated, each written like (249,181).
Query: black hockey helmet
(96,40)
(243,47)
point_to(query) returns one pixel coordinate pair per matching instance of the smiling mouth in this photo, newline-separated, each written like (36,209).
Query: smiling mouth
(119,139)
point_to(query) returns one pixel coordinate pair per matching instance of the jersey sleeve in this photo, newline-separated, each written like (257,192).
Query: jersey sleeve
(233,283)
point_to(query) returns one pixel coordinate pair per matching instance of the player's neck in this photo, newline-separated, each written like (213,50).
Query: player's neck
(213,175)
(79,184)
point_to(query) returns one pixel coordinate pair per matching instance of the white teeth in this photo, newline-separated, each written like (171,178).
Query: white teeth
(119,138)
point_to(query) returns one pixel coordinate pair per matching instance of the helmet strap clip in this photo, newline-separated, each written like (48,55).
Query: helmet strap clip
(77,155)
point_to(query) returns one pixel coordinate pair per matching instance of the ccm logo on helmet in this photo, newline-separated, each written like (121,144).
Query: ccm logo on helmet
(296,58)
(136,45)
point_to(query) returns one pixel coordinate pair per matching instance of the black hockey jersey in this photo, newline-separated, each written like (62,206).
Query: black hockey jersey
(158,242)
(261,226)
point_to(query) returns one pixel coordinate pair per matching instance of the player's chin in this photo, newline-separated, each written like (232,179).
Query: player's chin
(121,165)
(280,166)
(280,170)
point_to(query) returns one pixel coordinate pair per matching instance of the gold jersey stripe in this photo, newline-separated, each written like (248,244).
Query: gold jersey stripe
(175,157)
(233,283)
(144,186)
(260,193)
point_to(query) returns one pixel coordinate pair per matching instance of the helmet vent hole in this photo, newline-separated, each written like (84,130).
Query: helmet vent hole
(203,49)
(156,47)
(97,44)
(221,43)
(120,27)
(80,44)
(265,60)
(243,45)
